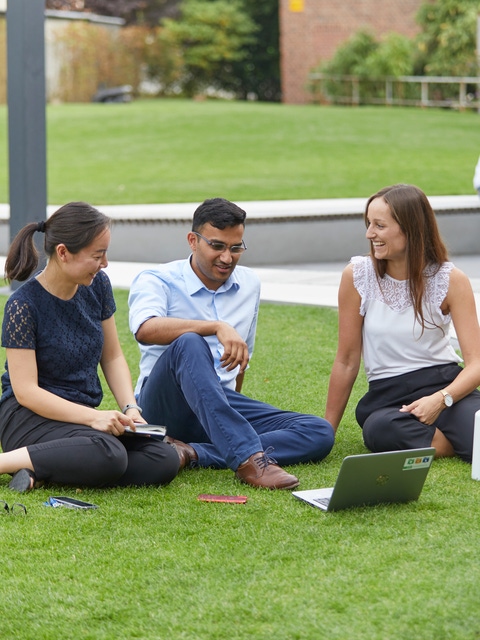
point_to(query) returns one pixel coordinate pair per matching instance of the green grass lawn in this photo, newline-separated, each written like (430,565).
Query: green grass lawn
(185,151)
(157,564)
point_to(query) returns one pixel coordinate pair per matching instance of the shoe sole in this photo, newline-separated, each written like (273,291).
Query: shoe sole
(294,485)
(22,481)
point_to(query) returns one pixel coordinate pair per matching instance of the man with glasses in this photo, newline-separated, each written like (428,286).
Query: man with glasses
(195,323)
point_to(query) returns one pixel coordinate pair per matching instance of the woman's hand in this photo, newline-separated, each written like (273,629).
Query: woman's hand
(426,409)
(114,422)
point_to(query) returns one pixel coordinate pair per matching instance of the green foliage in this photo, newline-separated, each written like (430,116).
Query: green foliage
(258,74)
(364,56)
(91,56)
(368,59)
(351,56)
(229,46)
(211,35)
(392,57)
(447,43)
(88,58)
(162,59)
(254,70)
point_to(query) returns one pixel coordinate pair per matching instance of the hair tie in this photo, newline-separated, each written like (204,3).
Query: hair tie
(41,226)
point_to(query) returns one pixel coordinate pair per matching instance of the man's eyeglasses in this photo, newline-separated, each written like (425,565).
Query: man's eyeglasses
(15,509)
(220,247)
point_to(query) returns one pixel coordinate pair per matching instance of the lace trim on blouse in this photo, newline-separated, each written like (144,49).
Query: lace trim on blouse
(396,293)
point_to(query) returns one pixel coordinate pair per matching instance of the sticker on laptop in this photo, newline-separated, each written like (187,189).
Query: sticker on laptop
(417,462)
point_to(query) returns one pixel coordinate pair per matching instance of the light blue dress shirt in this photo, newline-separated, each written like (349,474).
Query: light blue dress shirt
(173,290)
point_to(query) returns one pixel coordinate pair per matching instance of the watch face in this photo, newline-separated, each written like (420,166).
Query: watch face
(448,400)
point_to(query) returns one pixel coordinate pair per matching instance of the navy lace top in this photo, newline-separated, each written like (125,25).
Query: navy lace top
(66,335)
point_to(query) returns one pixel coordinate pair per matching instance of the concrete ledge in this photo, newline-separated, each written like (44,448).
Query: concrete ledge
(277,232)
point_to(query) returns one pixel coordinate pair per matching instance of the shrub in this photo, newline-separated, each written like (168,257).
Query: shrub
(93,56)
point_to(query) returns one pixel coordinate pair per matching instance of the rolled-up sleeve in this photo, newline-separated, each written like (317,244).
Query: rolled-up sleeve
(148,298)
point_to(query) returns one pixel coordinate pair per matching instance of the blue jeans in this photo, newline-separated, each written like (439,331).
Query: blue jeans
(184,393)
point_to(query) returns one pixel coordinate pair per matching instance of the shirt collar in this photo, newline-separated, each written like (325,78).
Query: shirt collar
(194,284)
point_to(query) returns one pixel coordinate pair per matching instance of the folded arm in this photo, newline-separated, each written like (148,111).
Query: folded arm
(161,330)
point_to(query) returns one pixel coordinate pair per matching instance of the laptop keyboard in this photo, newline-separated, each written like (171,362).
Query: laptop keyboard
(323,501)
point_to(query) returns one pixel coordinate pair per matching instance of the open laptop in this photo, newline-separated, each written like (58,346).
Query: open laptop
(374,478)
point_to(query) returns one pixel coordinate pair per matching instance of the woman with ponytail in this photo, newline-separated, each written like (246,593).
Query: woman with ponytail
(57,328)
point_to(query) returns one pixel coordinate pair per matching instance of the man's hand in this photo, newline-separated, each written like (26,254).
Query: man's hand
(235,350)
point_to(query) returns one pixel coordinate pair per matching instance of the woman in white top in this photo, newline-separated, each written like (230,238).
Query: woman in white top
(395,309)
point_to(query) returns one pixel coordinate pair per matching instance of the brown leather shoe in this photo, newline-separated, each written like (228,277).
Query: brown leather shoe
(186,453)
(261,471)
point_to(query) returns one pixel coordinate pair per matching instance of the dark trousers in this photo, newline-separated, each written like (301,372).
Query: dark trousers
(74,454)
(385,428)
(184,393)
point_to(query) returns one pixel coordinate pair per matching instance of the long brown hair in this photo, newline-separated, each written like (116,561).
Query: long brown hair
(75,225)
(411,209)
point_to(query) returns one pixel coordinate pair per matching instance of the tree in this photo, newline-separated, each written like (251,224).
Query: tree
(258,73)
(447,43)
(253,70)
(211,35)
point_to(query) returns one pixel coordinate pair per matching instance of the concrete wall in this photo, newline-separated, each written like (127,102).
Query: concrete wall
(269,242)
(287,239)
(281,232)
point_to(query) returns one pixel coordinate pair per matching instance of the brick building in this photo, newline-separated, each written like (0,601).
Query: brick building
(311,30)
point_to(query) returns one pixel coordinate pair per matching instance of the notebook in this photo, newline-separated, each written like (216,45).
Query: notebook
(151,430)
(374,478)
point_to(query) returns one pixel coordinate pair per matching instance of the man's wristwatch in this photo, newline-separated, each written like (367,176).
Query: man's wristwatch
(131,406)
(447,398)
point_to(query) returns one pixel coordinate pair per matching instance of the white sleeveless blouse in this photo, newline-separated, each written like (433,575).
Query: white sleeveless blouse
(393,343)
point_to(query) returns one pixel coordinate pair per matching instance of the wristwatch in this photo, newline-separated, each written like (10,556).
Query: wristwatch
(447,398)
